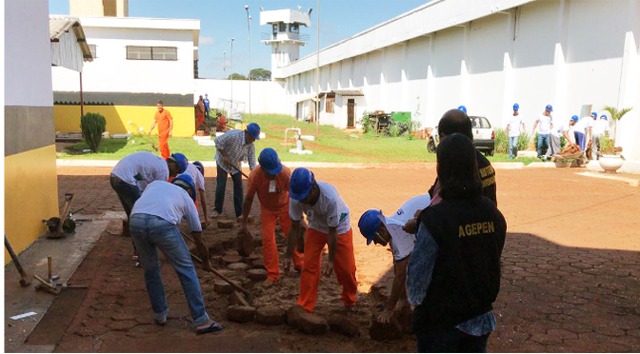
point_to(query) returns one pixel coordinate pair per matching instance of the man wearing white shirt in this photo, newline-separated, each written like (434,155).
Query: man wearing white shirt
(600,128)
(384,230)
(545,123)
(514,128)
(197,175)
(582,130)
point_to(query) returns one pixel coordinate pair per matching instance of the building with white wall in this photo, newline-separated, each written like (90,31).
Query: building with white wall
(576,55)
(137,61)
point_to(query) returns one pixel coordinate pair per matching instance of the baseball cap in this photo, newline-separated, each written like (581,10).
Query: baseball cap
(369,223)
(185,181)
(180,160)
(604,116)
(269,161)
(594,114)
(462,108)
(199,166)
(254,130)
(301,182)
(548,108)
(574,118)
(516,106)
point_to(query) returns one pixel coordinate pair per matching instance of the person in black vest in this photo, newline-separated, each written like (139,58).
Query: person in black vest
(453,276)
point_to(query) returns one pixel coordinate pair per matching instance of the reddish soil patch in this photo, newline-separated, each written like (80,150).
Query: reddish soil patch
(570,270)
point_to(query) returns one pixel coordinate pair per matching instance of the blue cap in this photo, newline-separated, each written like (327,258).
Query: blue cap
(269,161)
(574,118)
(462,108)
(516,106)
(301,182)
(594,114)
(548,108)
(180,160)
(254,130)
(369,223)
(199,166)
(185,181)
(603,116)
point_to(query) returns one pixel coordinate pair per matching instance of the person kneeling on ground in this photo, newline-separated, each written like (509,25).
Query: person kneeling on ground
(154,225)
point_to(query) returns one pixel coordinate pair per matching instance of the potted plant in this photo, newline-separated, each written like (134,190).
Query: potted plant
(609,155)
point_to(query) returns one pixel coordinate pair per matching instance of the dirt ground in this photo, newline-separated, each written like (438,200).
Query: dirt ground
(570,282)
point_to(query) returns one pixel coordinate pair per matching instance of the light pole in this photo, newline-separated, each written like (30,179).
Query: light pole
(246,8)
(231,71)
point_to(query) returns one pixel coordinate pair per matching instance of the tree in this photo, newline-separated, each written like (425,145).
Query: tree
(260,74)
(236,76)
(616,115)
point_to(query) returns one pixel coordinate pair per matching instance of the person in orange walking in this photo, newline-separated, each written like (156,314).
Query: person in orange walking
(270,181)
(200,110)
(165,129)
(329,224)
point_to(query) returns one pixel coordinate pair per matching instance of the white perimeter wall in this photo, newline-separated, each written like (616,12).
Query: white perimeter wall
(576,55)
(28,83)
(112,72)
(266,96)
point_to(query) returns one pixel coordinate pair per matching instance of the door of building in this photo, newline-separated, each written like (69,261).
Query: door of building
(351,104)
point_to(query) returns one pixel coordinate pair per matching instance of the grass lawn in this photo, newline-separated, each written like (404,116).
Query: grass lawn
(333,145)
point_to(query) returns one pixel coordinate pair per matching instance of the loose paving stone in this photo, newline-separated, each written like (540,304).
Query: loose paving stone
(310,323)
(384,331)
(271,315)
(222,287)
(257,274)
(232,258)
(122,325)
(344,326)
(238,298)
(241,314)
(238,266)
(225,224)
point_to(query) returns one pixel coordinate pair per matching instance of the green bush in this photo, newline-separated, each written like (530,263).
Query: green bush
(395,130)
(501,142)
(366,123)
(524,141)
(93,125)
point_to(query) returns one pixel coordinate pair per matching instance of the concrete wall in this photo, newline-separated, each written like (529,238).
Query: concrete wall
(485,55)
(30,182)
(266,96)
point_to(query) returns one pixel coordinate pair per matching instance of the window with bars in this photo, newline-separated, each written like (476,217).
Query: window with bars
(151,53)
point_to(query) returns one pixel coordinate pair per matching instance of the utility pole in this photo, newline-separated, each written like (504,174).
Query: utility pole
(246,7)
(231,70)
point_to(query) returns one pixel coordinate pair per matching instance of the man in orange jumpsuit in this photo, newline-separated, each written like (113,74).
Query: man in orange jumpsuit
(270,180)
(165,129)
(329,224)
(200,111)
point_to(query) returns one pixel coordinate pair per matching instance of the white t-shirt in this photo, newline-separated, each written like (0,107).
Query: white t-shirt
(169,202)
(544,124)
(329,211)
(515,126)
(401,242)
(141,168)
(566,127)
(198,178)
(600,127)
(582,124)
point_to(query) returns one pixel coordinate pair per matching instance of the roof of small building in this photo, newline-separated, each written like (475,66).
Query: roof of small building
(58,26)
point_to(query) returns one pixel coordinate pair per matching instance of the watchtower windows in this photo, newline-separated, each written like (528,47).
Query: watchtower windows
(294,28)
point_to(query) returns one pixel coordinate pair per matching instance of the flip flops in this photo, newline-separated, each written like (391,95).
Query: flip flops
(214,327)
(215,214)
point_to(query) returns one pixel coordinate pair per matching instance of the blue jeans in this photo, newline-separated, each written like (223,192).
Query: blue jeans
(221,186)
(127,193)
(513,146)
(451,341)
(580,139)
(149,233)
(542,139)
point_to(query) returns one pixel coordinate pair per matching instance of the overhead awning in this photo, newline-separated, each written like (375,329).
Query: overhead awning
(69,48)
(348,92)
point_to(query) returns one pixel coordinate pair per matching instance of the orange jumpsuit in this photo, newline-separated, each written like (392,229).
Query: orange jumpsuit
(344,265)
(274,204)
(200,115)
(163,120)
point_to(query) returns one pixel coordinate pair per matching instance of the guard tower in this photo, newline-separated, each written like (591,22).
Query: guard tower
(285,38)
(99,8)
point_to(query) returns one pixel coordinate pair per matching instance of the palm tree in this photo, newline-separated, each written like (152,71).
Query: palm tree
(616,115)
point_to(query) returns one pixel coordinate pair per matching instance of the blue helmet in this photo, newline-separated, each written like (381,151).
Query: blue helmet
(516,106)
(369,223)
(462,108)
(548,108)
(185,181)
(199,166)
(180,160)
(574,118)
(269,161)
(302,180)
(254,130)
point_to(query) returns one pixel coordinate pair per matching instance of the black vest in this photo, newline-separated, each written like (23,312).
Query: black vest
(466,277)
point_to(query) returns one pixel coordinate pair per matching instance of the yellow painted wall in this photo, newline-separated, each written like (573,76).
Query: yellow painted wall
(123,119)
(30,195)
